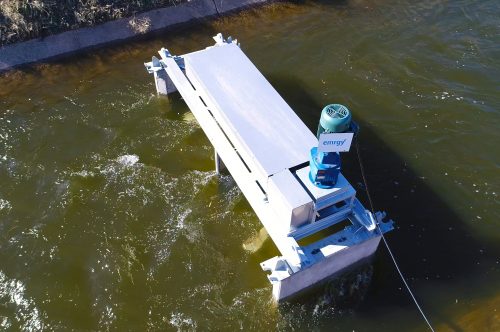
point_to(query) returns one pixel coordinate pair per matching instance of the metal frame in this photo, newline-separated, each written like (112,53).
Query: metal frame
(250,125)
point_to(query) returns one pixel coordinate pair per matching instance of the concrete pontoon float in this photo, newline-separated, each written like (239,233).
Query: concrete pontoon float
(293,185)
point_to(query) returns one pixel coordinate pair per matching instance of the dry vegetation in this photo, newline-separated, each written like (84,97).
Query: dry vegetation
(25,19)
(140,25)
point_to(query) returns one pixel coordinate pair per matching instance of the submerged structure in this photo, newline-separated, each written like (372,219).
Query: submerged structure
(291,177)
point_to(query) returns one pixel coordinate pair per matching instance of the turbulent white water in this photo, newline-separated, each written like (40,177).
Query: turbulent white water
(128,160)
(26,316)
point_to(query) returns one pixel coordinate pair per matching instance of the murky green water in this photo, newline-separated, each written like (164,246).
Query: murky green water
(112,218)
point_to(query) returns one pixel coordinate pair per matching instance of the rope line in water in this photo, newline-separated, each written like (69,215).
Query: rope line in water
(216,8)
(385,241)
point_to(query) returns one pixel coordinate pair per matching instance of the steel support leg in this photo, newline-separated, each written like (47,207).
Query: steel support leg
(164,84)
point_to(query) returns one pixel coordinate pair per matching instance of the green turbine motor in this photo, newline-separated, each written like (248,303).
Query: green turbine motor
(335,118)
(325,166)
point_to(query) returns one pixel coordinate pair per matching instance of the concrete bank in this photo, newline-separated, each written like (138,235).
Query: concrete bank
(54,46)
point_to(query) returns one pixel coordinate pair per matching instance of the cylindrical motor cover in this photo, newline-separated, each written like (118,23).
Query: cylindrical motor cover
(335,118)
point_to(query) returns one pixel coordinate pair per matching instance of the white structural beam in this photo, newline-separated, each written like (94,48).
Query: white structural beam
(233,162)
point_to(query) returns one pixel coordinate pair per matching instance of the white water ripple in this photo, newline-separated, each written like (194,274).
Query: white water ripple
(26,314)
(182,322)
(5,205)
(128,159)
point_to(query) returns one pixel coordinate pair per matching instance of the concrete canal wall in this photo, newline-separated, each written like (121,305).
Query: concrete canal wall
(69,42)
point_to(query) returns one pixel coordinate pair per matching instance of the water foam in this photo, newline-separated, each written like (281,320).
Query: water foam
(5,205)
(27,315)
(128,159)
(182,322)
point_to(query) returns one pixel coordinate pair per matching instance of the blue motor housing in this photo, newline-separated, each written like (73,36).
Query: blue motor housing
(324,168)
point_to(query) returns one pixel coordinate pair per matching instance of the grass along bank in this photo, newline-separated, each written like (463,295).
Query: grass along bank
(22,20)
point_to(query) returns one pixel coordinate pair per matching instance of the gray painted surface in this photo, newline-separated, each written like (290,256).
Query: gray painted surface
(316,273)
(41,49)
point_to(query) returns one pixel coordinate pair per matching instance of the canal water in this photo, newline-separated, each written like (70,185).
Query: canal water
(112,218)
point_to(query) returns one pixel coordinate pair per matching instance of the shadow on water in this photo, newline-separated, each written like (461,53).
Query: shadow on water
(430,241)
